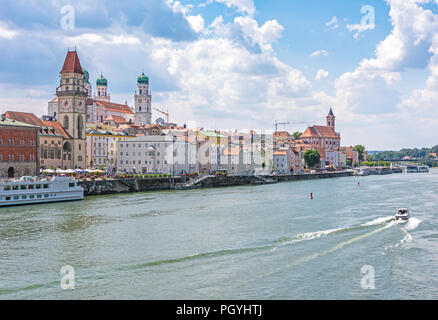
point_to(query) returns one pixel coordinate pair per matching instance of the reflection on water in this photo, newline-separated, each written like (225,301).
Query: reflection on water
(254,242)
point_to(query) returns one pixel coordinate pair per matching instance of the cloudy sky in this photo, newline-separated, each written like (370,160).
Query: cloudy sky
(240,63)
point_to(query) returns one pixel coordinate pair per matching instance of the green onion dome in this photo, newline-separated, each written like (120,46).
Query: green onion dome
(142,79)
(101,81)
(86,76)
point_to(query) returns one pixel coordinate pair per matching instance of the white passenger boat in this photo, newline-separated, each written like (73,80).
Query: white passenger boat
(31,190)
(362,171)
(423,169)
(402,215)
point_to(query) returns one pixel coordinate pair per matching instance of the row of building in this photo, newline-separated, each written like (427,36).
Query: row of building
(86,130)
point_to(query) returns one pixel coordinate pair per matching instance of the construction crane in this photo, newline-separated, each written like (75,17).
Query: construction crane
(286,123)
(164,113)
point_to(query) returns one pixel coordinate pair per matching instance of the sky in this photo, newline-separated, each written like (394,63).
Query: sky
(240,64)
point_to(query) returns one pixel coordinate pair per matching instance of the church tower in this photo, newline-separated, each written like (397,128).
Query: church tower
(102,89)
(331,120)
(87,83)
(72,96)
(143,101)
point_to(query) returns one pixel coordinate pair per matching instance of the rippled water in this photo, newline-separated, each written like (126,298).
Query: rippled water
(250,242)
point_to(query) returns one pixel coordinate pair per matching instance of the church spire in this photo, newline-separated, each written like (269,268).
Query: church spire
(331,120)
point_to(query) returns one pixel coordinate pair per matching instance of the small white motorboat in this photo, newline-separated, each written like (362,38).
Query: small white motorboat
(402,215)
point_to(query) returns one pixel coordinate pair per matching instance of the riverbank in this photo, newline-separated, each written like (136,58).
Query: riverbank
(103,187)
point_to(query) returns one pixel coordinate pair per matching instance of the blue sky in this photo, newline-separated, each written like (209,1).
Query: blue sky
(241,63)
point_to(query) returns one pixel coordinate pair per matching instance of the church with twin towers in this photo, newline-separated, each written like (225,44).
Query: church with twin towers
(97,106)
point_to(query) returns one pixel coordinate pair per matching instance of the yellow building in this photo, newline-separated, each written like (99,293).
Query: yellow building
(102,148)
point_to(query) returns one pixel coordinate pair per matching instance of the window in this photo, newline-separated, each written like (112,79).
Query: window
(46,196)
(71,185)
(65,123)
(45,186)
(8,198)
(39,196)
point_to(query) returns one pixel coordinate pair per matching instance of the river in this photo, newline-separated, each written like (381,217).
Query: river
(248,242)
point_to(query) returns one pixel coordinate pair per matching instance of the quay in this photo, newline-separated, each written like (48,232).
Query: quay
(116,186)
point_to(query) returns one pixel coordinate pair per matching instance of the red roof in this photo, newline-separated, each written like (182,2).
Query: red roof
(319,132)
(58,128)
(115,107)
(32,119)
(116,119)
(72,63)
(24,117)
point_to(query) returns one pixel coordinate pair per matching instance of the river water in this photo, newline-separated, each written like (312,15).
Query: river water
(249,242)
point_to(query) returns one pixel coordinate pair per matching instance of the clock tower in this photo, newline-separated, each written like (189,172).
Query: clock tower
(72,113)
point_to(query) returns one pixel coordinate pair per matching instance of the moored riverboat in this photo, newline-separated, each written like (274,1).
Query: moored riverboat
(31,190)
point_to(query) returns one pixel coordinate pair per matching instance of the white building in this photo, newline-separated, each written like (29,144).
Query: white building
(281,163)
(102,148)
(157,155)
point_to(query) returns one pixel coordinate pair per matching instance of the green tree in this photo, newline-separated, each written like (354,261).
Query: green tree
(312,158)
(361,150)
(297,135)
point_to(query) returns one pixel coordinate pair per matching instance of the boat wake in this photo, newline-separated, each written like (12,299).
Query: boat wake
(274,246)
(407,240)
(320,234)
(412,224)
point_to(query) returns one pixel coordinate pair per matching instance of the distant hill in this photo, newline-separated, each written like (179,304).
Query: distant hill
(399,155)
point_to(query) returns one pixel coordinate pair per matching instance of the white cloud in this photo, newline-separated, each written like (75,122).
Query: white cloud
(333,23)
(197,23)
(359,28)
(6,32)
(321,74)
(319,53)
(242,6)
(371,93)
(93,38)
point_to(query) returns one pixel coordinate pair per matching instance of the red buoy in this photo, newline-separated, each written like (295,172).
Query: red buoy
(311,196)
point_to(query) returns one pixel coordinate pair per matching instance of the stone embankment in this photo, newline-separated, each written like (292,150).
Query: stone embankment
(102,187)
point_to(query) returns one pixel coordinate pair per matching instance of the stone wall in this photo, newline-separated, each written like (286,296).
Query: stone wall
(100,187)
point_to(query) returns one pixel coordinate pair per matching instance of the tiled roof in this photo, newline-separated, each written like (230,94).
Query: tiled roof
(115,107)
(14,123)
(24,117)
(310,133)
(280,153)
(326,132)
(58,128)
(116,119)
(319,132)
(71,63)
